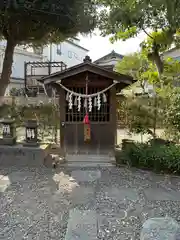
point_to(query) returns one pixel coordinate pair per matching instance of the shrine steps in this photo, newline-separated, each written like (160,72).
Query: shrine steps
(87,160)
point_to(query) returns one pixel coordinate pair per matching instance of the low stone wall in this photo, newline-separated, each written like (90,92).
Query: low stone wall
(22,101)
(23,156)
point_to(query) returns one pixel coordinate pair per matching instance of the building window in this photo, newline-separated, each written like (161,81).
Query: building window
(38,50)
(59,52)
(33,71)
(71,39)
(69,54)
(76,56)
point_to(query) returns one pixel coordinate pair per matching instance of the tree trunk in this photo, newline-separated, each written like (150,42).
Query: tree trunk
(155,57)
(159,63)
(155,116)
(7,66)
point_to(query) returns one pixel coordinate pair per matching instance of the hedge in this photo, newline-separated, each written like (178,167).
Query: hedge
(156,157)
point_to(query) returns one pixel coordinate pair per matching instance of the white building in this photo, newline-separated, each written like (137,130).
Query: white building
(173,53)
(70,52)
(20,56)
(110,60)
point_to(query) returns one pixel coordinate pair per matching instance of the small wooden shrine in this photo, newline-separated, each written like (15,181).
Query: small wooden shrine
(87,98)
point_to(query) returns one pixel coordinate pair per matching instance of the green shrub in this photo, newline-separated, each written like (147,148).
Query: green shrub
(119,157)
(155,157)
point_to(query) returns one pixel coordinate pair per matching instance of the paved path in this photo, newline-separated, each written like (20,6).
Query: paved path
(88,204)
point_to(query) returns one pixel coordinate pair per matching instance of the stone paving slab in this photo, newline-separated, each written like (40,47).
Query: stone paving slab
(82,225)
(160,229)
(160,194)
(88,158)
(4,183)
(82,195)
(86,176)
(88,164)
(19,176)
(119,194)
(41,203)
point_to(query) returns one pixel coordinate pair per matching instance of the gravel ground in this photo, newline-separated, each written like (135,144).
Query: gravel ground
(36,203)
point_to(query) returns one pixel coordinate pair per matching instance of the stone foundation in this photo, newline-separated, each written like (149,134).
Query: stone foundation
(19,155)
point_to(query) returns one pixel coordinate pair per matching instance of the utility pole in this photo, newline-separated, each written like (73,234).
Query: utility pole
(50,57)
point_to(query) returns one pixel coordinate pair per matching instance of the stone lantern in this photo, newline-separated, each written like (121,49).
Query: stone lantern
(8,131)
(31,128)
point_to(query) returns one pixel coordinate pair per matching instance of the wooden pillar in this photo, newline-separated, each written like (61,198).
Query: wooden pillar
(62,101)
(116,138)
(113,121)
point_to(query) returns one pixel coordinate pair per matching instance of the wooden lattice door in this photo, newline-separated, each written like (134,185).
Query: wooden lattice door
(101,136)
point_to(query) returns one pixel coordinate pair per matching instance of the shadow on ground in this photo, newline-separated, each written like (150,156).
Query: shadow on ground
(32,204)
(44,203)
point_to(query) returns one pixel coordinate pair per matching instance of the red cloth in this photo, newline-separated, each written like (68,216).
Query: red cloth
(86,119)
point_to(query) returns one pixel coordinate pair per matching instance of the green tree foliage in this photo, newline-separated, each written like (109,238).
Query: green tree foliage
(135,65)
(39,22)
(140,116)
(126,18)
(172,116)
(143,115)
(144,71)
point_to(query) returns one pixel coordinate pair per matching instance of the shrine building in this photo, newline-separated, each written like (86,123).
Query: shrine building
(87,101)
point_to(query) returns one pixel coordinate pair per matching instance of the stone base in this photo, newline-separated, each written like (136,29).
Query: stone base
(82,223)
(8,141)
(95,158)
(54,160)
(30,144)
(160,228)
(19,155)
(86,160)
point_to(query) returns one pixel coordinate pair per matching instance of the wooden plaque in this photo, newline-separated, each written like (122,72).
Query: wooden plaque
(87,133)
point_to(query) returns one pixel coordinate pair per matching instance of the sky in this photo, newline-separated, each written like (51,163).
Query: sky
(99,46)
